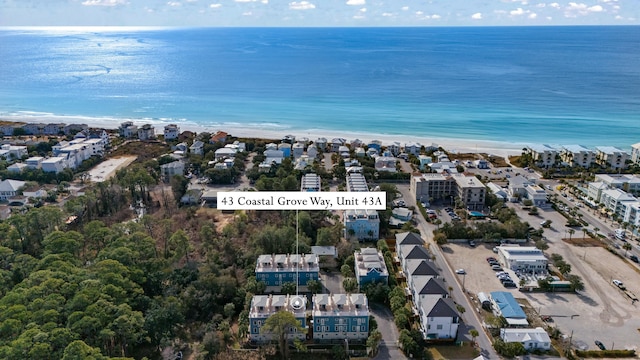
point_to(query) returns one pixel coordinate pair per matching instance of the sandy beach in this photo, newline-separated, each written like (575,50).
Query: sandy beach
(451,144)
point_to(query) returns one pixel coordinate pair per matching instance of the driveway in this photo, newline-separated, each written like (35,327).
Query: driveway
(389,346)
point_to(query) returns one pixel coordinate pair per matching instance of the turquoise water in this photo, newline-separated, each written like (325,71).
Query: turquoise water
(561,85)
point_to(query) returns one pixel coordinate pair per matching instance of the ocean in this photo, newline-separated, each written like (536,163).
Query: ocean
(552,85)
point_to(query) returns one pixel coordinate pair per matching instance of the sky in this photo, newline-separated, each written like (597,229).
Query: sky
(247,13)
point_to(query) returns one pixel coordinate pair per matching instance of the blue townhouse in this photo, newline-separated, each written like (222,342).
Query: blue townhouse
(275,270)
(370,266)
(263,306)
(340,316)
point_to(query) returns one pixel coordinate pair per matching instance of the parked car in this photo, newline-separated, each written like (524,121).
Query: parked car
(634,258)
(496,268)
(472,243)
(461,272)
(498,274)
(509,284)
(619,284)
(600,345)
(491,258)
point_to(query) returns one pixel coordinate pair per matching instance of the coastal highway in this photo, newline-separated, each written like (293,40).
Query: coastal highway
(470,317)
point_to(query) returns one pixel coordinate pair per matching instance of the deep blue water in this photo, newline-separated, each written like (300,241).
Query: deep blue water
(559,85)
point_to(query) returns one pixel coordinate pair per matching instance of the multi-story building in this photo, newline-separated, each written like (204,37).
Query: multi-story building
(635,153)
(356,182)
(471,191)
(54,129)
(364,224)
(370,266)
(628,183)
(614,199)
(34,162)
(54,164)
(171,131)
(34,128)
(386,163)
(412,148)
(10,188)
(263,306)
(527,258)
(394,148)
(340,316)
(197,148)
(297,150)
(430,187)
(128,130)
(594,190)
(275,270)
(543,155)
(577,155)
(12,152)
(310,182)
(611,157)
(407,239)
(167,171)
(146,132)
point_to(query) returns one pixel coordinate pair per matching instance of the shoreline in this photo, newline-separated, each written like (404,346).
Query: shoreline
(452,145)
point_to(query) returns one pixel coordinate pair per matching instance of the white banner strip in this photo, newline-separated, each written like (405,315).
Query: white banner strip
(290,200)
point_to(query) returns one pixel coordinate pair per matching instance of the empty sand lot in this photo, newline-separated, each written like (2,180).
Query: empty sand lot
(600,312)
(108,168)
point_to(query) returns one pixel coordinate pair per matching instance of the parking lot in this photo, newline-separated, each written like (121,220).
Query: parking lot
(600,312)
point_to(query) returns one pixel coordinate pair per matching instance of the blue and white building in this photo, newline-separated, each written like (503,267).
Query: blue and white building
(275,270)
(340,316)
(364,224)
(370,266)
(263,306)
(310,182)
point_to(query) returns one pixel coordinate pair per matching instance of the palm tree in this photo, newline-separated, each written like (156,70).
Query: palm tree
(595,231)
(474,334)
(571,232)
(626,246)
(584,233)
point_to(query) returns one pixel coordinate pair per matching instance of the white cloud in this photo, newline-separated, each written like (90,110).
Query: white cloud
(405,8)
(419,13)
(301,5)
(618,17)
(574,9)
(265,1)
(358,17)
(214,6)
(104,2)
(541,5)
(386,14)
(174,3)
(247,13)
(533,16)
(517,12)
(356,2)
(243,1)
(363,10)
(555,5)
(476,16)
(436,16)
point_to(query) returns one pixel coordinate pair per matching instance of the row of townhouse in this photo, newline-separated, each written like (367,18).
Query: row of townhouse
(614,193)
(363,224)
(43,129)
(577,155)
(333,316)
(519,187)
(439,317)
(395,148)
(276,269)
(432,187)
(129,130)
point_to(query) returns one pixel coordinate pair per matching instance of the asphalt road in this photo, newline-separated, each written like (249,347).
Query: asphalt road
(470,318)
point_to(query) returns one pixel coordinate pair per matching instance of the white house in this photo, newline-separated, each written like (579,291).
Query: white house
(297,150)
(412,148)
(54,164)
(531,339)
(34,162)
(10,188)
(527,258)
(128,130)
(386,163)
(225,153)
(13,152)
(613,200)
(17,167)
(146,132)
(197,147)
(167,171)
(171,131)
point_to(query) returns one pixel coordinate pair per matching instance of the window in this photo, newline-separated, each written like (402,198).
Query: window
(439,327)
(317,328)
